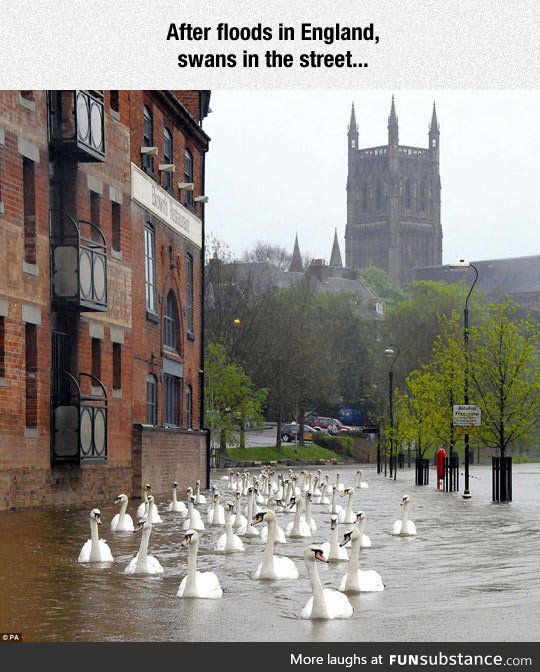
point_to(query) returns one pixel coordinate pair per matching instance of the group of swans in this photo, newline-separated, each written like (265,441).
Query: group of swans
(324,603)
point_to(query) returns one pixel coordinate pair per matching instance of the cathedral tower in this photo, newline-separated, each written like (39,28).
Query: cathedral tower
(393,203)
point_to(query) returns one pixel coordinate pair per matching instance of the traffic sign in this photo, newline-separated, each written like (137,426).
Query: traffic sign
(466,415)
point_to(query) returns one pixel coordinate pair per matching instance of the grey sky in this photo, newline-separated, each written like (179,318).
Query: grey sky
(278,164)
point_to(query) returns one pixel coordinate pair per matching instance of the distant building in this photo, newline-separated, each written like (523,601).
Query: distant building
(517,277)
(393,203)
(100,293)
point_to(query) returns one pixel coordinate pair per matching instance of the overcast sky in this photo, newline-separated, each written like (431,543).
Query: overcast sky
(278,165)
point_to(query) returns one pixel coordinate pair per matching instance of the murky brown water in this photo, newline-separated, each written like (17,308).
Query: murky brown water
(471,574)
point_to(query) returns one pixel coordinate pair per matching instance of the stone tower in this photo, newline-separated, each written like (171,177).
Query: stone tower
(393,203)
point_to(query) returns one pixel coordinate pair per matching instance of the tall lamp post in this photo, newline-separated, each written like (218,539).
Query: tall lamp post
(392,352)
(460,265)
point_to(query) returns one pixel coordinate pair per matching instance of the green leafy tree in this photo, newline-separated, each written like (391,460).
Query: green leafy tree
(230,398)
(383,285)
(506,374)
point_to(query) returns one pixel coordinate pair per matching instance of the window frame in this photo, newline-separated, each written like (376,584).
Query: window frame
(171,322)
(150,268)
(188,176)
(148,140)
(151,399)
(168,148)
(171,400)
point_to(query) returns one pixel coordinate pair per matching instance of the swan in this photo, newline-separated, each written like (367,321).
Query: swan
(251,508)
(339,485)
(404,527)
(317,493)
(193,519)
(324,487)
(356,580)
(360,522)
(216,512)
(334,508)
(141,509)
(248,530)
(199,499)
(359,482)
(273,566)
(347,516)
(238,520)
(325,603)
(308,518)
(332,551)
(95,549)
(122,522)
(298,528)
(175,505)
(280,534)
(229,542)
(197,584)
(143,563)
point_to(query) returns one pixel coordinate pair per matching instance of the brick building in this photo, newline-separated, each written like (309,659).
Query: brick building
(101,253)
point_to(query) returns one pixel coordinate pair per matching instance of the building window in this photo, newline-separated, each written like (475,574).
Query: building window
(189,407)
(2,348)
(171,387)
(422,197)
(95,216)
(29,204)
(151,399)
(30,350)
(148,141)
(167,158)
(117,366)
(189,296)
(188,176)
(171,322)
(378,195)
(408,195)
(116,227)
(115,101)
(150,268)
(364,197)
(96,358)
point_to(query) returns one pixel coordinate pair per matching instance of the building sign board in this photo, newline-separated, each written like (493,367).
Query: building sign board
(466,415)
(160,203)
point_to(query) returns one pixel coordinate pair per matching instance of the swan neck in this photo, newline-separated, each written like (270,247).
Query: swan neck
(143,548)
(318,609)
(334,543)
(191,579)
(405,517)
(175,501)
(268,559)
(349,506)
(352,573)
(122,513)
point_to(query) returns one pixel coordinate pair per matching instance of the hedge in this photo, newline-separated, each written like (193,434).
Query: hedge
(342,445)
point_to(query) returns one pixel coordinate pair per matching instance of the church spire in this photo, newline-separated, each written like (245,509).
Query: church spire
(352,132)
(393,130)
(434,132)
(296,259)
(335,257)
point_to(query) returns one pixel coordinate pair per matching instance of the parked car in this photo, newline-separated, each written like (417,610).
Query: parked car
(331,425)
(351,416)
(289,431)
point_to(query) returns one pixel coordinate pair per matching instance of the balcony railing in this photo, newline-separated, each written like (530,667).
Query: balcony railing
(79,419)
(78,263)
(77,124)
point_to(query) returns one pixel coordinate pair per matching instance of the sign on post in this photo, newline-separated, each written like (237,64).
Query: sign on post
(466,415)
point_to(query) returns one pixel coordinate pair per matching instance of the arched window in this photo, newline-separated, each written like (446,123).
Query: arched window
(378,195)
(189,407)
(167,157)
(188,176)
(151,399)
(422,197)
(408,195)
(171,322)
(148,141)
(364,197)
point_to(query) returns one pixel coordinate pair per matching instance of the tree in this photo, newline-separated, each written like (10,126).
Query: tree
(276,255)
(505,371)
(383,285)
(230,399)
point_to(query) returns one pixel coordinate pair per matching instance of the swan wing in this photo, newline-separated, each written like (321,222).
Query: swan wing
(106,555)
(208,586)
(84,555)
(153,565)
(114,522)
(370,581)
(396,528)
(337,604)
(221,543)
(285,568)
(365,542)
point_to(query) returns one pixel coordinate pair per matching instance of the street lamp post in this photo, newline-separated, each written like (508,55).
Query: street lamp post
(466,264)
(393,353)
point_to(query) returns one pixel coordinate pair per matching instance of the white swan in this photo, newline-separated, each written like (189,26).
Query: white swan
(280,534)
(95,549)
(216,512)
(197,584)
(339,485)
(238,520)
(248,530)
(199,499)
(308,517)
(273,567)
(229,542)
(404,527)
(122,522)
(357,580)
(298,528)
(143,563)
(325,603)
(360,522)
(359,482)
(176,505)
(141,509)
(324,488)
(347,516)
(332,551)
(193,519)
(334,508)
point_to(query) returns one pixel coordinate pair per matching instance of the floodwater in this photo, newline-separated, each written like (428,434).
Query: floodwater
(471,574)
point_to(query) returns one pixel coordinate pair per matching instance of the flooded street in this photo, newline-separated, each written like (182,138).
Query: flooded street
(471,574)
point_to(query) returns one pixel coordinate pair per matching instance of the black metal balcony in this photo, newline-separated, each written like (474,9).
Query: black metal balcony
(77,124)
(78,263)
(79,419)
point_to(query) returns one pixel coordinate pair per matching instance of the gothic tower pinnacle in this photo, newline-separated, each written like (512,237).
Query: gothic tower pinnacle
(393,129)
(296,259)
